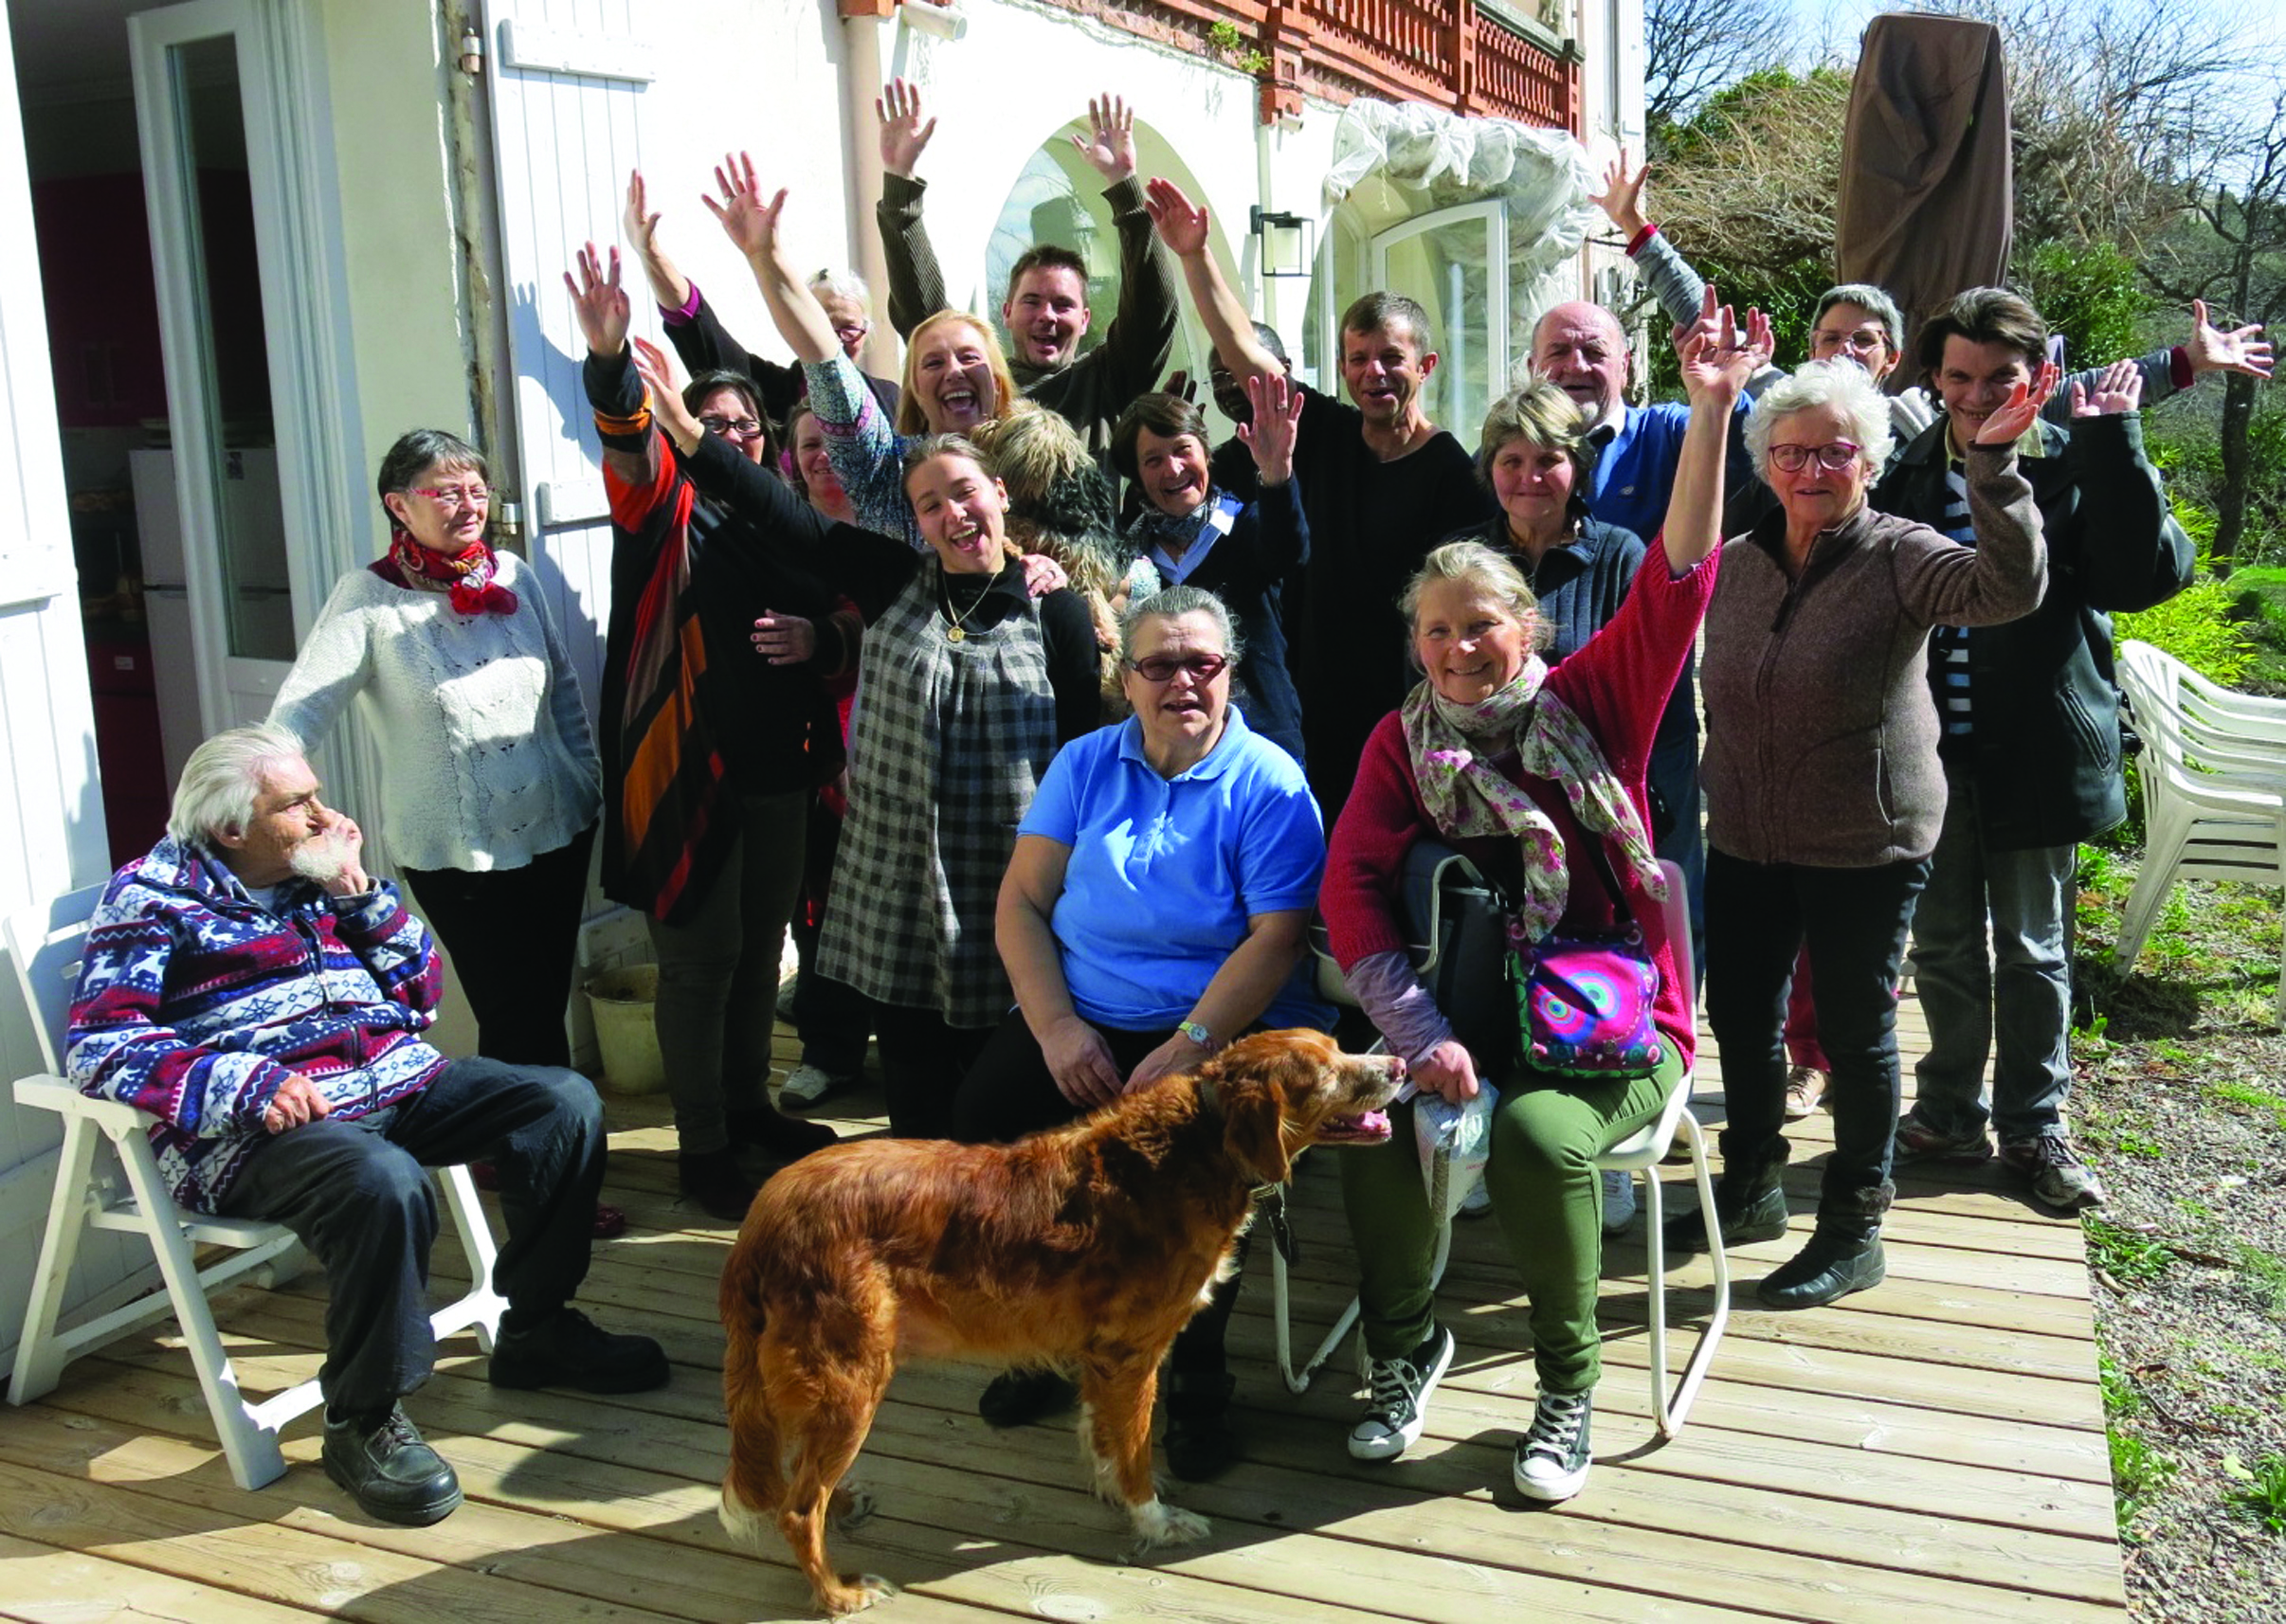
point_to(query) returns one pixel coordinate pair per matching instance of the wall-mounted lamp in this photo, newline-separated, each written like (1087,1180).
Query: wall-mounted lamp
(1287,249)
(943,18)
(472,52)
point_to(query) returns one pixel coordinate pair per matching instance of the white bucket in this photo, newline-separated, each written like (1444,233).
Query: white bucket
(621,1001)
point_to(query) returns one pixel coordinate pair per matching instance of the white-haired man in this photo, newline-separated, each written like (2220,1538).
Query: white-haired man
(263,996)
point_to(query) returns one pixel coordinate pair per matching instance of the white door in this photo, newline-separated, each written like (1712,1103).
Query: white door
(230,110)
(568,79)
(1454,261)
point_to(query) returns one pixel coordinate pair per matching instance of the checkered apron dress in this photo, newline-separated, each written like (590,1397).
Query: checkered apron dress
(948,741)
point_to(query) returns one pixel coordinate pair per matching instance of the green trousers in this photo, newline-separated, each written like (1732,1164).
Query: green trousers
(1546,1134)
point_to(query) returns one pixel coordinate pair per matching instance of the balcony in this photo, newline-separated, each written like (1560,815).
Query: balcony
(1445,53)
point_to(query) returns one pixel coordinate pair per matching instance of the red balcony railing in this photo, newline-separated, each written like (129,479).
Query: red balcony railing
(1446,53)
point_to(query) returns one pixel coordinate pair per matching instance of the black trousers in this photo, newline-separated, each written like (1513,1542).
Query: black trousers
(359,1197)
(1009,1092)
(923,1062)
(835,1019)
(1852,924)
(514,936)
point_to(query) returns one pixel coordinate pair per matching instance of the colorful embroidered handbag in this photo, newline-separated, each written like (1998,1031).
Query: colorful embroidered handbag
(1584,999)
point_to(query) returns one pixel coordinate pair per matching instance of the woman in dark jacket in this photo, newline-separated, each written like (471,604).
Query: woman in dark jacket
(708,762)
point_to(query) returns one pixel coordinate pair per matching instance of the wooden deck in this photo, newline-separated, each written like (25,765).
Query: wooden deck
(1930,1451)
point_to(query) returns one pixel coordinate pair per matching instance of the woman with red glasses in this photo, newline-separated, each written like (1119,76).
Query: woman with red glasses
(1824,786)
(1157,906)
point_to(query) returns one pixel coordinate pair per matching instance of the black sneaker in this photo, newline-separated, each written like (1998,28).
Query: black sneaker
(1397,1410)
(388,1471)
(1552,1460)
(568,1349)
(1199,1443)
(1019,1397)
(1833,1264)
(717,1182)
(1750,1210)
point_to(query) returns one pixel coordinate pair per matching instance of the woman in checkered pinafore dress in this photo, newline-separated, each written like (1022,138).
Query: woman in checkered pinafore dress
(965,688)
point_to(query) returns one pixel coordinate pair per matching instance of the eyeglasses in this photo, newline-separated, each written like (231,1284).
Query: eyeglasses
(456,496)
(1865,341)
(731,428)
(1834,457)
(1162,667)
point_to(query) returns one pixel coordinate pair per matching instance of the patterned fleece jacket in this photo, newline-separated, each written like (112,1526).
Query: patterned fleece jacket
(196,1003)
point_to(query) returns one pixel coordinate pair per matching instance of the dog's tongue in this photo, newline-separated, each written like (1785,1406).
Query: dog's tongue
(1375,1122)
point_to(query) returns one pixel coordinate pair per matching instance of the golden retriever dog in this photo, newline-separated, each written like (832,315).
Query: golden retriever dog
(1085,1246)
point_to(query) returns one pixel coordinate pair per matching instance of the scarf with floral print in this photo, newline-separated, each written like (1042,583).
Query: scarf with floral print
(1453,748)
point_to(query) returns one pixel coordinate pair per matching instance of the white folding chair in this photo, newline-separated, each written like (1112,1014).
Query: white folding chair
(1639,1153)
(121,1188)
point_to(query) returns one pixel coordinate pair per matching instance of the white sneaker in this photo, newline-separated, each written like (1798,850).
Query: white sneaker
(1552,1460)
(1477,1201)
(1619,1200)
(1398,1407)
(807,1085)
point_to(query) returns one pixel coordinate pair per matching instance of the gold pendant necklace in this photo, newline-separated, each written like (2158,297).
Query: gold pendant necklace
(953,632)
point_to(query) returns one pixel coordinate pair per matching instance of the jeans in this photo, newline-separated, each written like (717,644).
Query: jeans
(514,935)
(1547,1133)
(2021,990)
(1852,924)
(358,1196)
(719,974)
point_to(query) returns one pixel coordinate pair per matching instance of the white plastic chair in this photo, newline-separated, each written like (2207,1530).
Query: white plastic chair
(121,1188)
(2214,789)
(1639,1153)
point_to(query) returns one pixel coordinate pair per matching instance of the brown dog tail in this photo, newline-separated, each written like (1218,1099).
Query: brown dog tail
(755,1482)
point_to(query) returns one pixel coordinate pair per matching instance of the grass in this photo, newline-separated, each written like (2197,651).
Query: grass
(2138,1473)
(2265,1272)
(2253,1098)
(2123,1255)
(2261,1490)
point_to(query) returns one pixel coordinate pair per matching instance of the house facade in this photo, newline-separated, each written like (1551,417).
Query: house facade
(275,234)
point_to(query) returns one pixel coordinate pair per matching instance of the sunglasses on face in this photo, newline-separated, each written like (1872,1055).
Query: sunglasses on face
(1162,667)
(1833,456)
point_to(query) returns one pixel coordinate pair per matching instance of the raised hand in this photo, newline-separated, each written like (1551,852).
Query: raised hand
(639,220)
(1717,356)
(598,301)
(2119,391)
(747,218)
(2020,410)
(1110,141)
(1276,401)
(658,374)
(1181,384)
(2241,349)
(1622,198)
(904,136)
(1180,223)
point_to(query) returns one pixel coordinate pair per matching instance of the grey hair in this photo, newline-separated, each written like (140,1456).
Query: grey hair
(1839,385)
(842,284)
(1167,604)
(222,778)
(1873,302)
(1486,571)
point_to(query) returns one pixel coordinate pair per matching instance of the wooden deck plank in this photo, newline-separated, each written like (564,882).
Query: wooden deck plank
(1925,1453)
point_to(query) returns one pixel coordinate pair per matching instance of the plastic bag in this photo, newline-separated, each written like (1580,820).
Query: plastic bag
(1455,1142)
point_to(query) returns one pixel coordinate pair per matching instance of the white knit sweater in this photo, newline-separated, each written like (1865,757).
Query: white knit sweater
(490,760)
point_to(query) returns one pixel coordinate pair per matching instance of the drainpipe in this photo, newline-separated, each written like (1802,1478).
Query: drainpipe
(1265,286)
(862,22)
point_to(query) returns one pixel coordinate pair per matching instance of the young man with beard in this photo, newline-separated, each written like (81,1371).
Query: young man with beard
(1381,485)
(249,986)
(1045,312)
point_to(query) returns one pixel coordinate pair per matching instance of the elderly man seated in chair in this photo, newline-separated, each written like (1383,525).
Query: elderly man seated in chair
(263,996)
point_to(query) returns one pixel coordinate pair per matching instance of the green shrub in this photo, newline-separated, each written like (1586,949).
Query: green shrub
(2198,628)
(2093,295)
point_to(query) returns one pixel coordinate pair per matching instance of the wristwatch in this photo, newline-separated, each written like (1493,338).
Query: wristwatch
(1196,1033)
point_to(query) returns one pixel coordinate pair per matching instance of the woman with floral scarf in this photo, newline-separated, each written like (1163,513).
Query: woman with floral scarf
(1536,773)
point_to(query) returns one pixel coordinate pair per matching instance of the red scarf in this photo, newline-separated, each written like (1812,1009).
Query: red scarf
(467,576)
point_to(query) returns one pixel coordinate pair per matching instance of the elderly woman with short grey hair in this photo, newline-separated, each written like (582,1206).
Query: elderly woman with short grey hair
(1824,791)
(1137,958)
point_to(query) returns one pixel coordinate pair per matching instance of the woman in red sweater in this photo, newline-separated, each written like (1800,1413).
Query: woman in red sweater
(1537,773)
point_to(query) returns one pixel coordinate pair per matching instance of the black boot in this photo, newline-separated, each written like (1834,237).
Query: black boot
(1751,1207)
(1835,1262)
(1200,1444)
(1019,1397)
(780,1137)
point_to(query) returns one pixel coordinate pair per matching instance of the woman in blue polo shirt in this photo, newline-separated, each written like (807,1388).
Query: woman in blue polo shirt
(1157,906)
